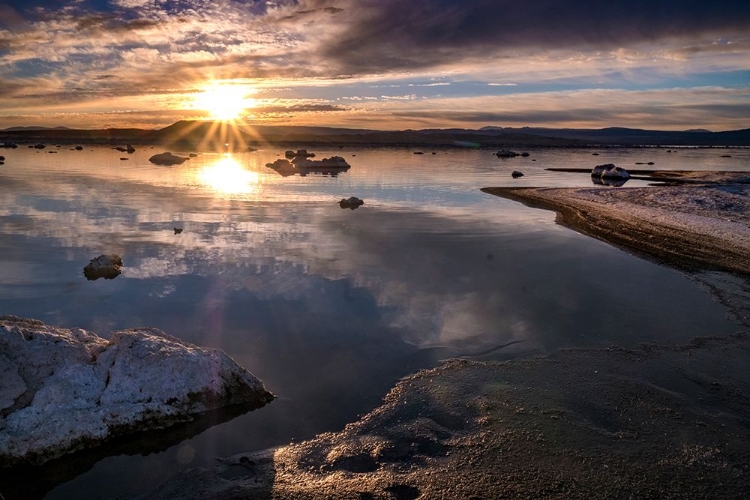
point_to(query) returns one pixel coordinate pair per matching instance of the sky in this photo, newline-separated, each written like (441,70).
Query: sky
(377,64)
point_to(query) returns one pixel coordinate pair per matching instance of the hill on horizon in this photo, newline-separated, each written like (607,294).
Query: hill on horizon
(215,135)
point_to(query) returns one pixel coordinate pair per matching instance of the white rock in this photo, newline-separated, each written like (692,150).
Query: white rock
(63,390)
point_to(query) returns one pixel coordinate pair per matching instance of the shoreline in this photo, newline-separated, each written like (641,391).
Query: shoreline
(658,421)
(701,222)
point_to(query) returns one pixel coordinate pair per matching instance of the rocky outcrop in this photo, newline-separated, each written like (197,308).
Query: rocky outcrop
(64,390)
(105,266)
(167,158)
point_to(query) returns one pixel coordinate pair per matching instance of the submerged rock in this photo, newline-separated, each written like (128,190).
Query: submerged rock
(64,390)
(104,266)
(351,203)
(167,158)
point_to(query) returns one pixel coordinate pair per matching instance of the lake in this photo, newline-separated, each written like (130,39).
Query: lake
(328,306)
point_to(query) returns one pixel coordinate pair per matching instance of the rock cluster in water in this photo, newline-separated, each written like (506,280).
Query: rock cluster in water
(64,390)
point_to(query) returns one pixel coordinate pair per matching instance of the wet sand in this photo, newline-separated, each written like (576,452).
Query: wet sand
(654,422)
(702,222)
(659,421)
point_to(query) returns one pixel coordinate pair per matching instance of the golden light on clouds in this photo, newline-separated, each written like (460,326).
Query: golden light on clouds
(227,176)
(224,101)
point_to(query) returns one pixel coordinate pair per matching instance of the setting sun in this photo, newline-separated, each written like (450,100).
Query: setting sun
(224,101)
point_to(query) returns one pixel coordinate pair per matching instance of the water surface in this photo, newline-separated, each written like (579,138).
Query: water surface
(329,307)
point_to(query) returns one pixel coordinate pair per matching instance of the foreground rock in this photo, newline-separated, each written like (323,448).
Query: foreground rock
(653,422)
(64,390)
(105,266)
(167,158)
(704,224)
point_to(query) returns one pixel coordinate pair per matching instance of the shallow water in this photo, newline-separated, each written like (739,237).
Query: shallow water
(329,307)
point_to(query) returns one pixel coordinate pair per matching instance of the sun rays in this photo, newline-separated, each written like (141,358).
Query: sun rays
(224,101)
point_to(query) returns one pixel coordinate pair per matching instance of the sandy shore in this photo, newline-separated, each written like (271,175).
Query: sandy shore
(702,223)
(654,422)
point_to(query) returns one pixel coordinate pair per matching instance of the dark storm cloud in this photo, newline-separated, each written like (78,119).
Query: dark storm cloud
(397,34)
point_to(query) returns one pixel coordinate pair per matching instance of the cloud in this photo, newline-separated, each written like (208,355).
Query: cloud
(387,35)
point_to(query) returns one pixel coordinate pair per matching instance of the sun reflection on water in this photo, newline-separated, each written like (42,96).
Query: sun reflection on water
(227,176)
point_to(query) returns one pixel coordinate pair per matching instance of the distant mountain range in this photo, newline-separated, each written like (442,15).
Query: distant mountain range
(204,135)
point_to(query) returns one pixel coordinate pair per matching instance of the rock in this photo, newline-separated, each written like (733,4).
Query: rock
(177,230)
(525,154)
(104,266)
(616,173)
(120,149)
(609,175)
(192,155)
(124,159)
(418,152)
(609,170)
(505,153)
(38,146)
(516,174)
(9,145)
(301,153)
(351,203)
(130,149)
(600,169)
(64,390)
(166,158)
(79,148)
(2,158)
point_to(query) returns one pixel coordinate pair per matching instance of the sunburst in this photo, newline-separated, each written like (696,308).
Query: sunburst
(224,101)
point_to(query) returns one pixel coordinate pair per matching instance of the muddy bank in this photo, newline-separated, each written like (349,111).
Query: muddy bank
(655,422)
(704,224)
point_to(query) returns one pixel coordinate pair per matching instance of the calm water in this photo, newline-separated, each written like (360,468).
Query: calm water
(329,307)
